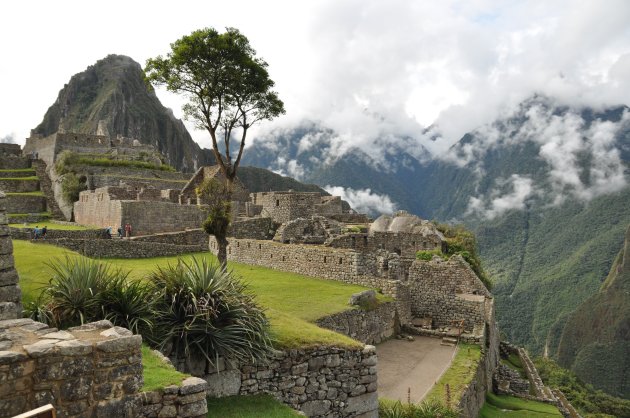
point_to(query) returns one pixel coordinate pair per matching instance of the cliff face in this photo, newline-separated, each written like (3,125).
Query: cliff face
(595,342)
(112,98)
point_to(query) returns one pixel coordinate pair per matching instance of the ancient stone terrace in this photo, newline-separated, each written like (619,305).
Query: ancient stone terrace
(48,148)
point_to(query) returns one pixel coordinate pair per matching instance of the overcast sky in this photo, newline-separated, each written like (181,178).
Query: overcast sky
(362,67)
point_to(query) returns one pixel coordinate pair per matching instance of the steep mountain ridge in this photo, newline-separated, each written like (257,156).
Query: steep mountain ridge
(595,341)
(111,97)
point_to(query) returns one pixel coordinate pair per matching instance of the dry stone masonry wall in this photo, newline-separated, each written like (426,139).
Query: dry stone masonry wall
(10,294)
(369,327)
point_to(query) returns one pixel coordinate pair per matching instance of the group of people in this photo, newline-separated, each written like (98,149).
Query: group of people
(40,233)
(126,230)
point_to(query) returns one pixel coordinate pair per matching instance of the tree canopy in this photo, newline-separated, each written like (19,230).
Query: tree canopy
(227,87)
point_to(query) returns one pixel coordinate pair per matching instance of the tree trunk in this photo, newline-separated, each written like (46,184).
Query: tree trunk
(222,253)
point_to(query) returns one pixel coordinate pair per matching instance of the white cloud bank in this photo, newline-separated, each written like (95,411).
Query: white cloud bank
(364,200)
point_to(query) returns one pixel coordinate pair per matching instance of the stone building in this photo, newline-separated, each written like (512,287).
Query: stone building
(287,206)
(188,194)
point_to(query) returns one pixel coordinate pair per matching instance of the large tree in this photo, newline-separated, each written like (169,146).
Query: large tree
(228,90)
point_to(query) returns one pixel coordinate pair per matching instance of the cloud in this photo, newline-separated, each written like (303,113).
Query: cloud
(364,200)
(520,189)
(8,139)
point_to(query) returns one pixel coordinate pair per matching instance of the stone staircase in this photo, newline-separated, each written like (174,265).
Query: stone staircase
(27,188)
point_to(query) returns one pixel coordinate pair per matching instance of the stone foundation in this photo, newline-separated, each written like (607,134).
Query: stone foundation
(187,400)
(10,294)
(120,248)
(369,327)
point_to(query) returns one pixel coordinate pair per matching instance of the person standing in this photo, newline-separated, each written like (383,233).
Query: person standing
(44,231)
(127,230)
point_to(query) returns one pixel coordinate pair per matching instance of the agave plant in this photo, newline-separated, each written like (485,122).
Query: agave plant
(128,303)
(432,409)
(203,310)
(74,290)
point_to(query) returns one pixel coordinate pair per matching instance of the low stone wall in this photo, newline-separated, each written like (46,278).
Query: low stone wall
(120,248)
(27,233)
(18,185)
(92,370)
(25,203)
(369,327)
(11,162)
(190,237)
(187,400)
(321,382)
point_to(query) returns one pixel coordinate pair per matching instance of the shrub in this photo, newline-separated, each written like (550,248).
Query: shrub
(71,186)
(427,255)
(202,310)
(397,409)
(129,304)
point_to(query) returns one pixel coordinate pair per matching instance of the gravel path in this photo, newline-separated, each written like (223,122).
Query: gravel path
(411,365)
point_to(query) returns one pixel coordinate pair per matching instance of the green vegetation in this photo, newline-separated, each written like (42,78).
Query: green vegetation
(37,193)
(17,170)
(29,178)
(396,409)
(72,162)
(203,310)
(587,400)
(71,186)
(463,242)
(514,361)
(53,225)
(510,406)
(249,407)
(292,301)
(17,216)
(457,377)
(157,373)
(427,255)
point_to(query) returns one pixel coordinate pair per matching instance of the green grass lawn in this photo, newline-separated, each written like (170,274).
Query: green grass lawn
(52,225)
(38,193)
(510,406)
(158,374)
(16,170)
(458,376)
(29,178)
(249,407)
(292,301)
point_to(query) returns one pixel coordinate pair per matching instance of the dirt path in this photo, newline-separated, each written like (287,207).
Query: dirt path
(414,365)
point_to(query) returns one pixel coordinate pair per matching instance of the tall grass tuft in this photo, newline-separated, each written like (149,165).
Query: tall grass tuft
(396,409)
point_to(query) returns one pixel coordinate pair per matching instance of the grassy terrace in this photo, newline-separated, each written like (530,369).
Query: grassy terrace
(458,376)
(52,225)
(17,170)
(38,193)
(158,374)
(510,406)
(293,302)
(29,178)
(249,407)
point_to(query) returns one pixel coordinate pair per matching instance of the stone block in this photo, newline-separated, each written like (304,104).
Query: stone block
(10,293)
(8,277)
(128,343)
(168,411)
(194,409)
(6,245)
(362,403)
(226,383)
(73,347)
(299,369)
(102,324)
(10,357)
(193,385)
(10,310)
(6,262)
(314,408)
(75,389)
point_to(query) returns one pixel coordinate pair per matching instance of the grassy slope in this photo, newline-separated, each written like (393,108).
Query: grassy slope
(52,225)
(509,406)
(292,301)
(458,375)
(249,407)
(158,374)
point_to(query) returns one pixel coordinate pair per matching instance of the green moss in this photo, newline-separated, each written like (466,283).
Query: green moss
(458,376)
(158,374)
(249,407)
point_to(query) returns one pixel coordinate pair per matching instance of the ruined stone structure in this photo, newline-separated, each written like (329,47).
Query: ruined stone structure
(286,206)
(149,211)
(188,194)
(50,147)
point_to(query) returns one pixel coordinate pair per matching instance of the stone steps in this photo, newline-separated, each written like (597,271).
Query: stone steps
(46,187)
(449,341)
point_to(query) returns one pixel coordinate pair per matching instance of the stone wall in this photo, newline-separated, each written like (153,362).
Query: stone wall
(285,206)
(114,206)
(25,203)
(196,237)
(321,382)
(27,233)
(18,185)
(10,294)
(135,181)
(252,228)
(369,327)
(187,400)
(447,291)
(401,243)
(92,370)
(98,208)
(339,264)
(10,149)
(46,187)
(11,162)
(44,147)
(120,248)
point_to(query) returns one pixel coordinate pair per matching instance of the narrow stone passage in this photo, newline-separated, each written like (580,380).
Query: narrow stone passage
(411,365)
